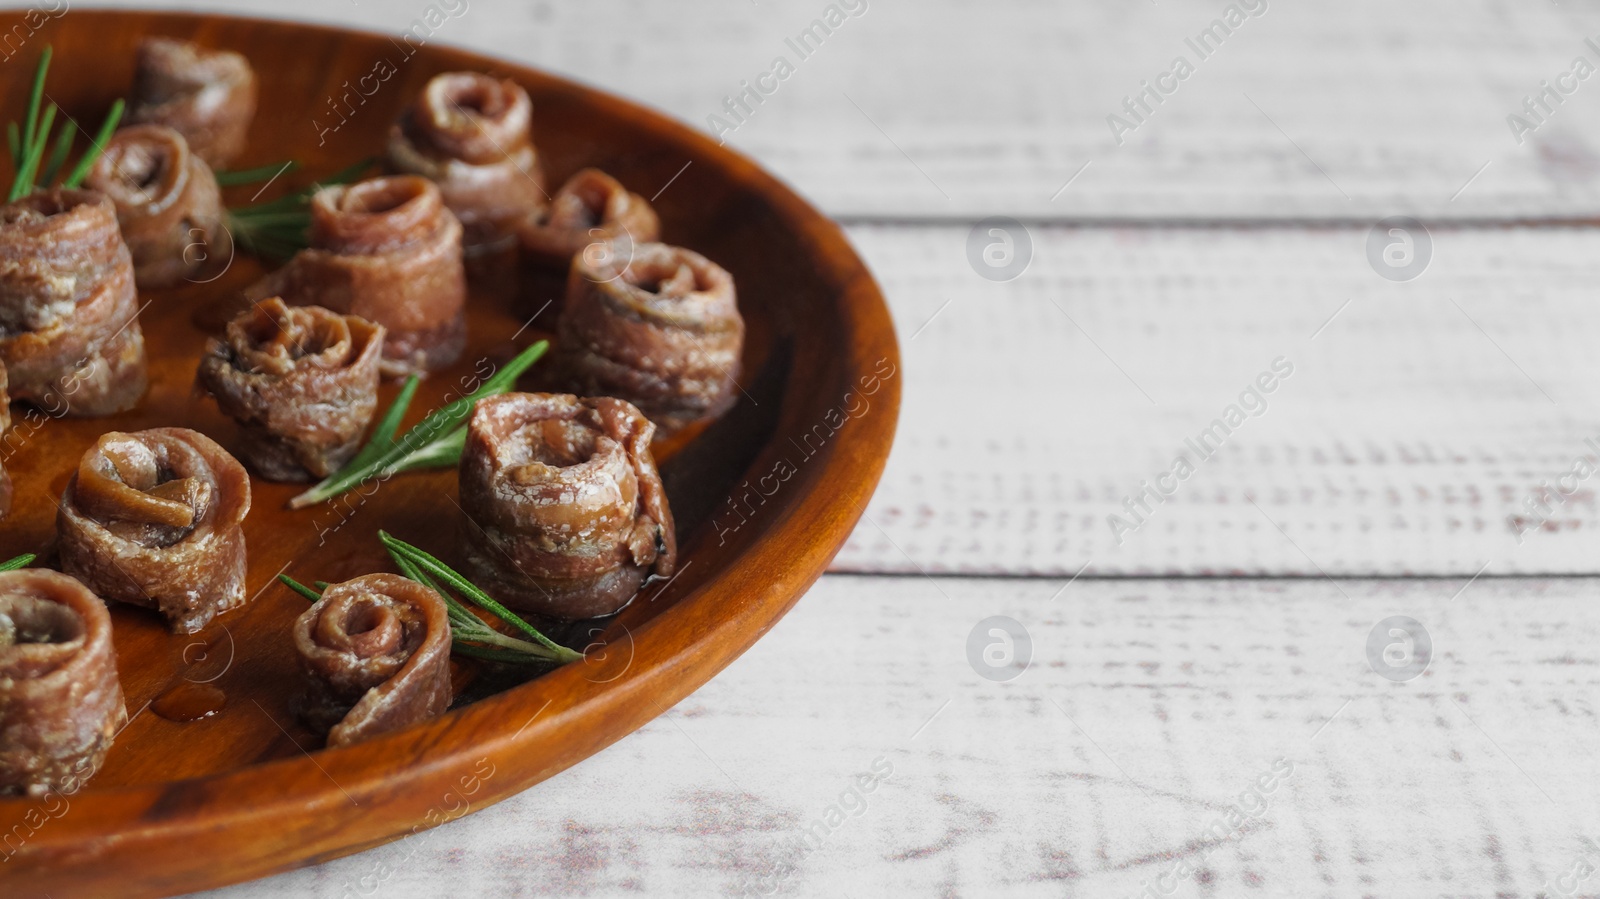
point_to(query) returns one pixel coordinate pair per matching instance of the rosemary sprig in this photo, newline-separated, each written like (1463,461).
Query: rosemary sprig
(22,561)
(400,549)
(277,229)
(29,143)
(434,442)
(470,635)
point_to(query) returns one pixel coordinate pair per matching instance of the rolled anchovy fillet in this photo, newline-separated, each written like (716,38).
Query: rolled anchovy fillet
(566,515)
(60,701)
(69,326)
(301,381)
(592,207)
(472,134)
(208,96)
(168,205)
(5,425)
(153,518)
(387,250)
(377,652)
(661,330)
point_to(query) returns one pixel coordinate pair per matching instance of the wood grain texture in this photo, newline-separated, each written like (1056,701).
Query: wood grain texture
(1148,707)
(1406,457)
(1397,446)
(183,806)
(1418,421)
(961,108)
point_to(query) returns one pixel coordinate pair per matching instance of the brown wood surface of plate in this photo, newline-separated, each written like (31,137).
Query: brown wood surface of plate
(764,497)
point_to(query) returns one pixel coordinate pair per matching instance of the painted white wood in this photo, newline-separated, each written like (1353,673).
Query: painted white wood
(1406,438)
(1146,710)
(1414,423)
(1417,421)
(963,108)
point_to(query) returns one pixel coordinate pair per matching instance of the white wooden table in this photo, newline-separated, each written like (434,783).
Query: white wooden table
(1198,714)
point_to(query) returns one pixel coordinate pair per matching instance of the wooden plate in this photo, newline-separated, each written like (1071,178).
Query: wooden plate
(764,498)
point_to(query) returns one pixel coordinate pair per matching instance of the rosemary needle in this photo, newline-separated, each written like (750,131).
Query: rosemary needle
(96,144)
(299,588)
(251,176)
(34,97)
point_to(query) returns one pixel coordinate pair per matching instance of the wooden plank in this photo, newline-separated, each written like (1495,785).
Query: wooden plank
(951,108)
(1146,711)
(1419,419)
(1417,379)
